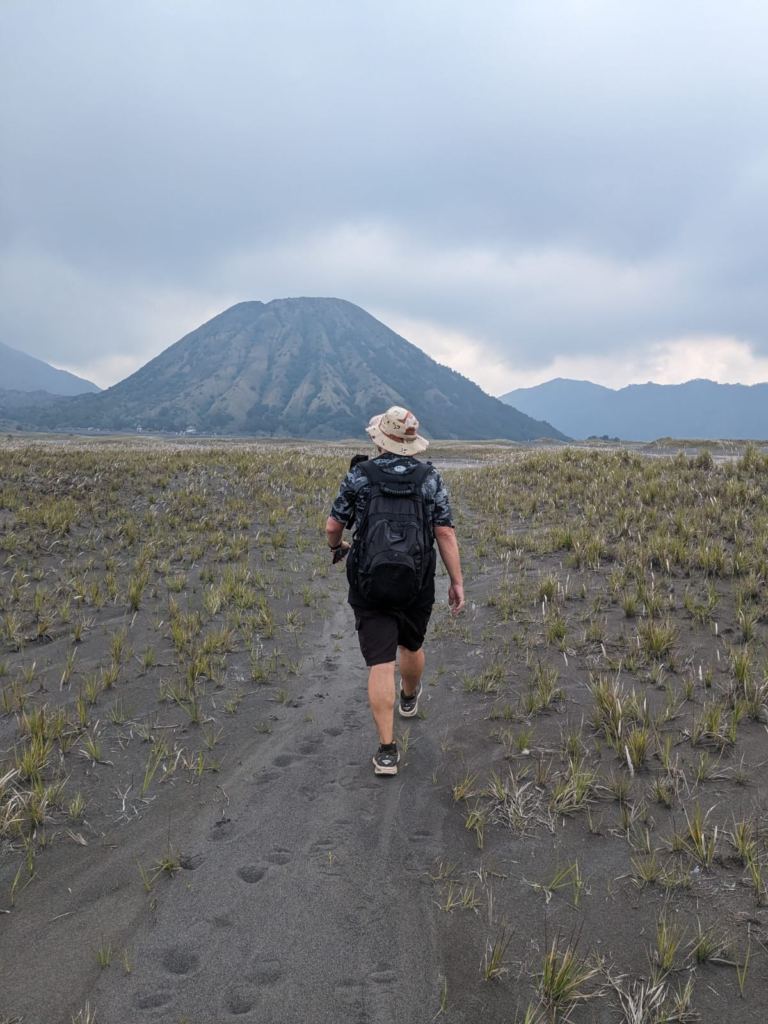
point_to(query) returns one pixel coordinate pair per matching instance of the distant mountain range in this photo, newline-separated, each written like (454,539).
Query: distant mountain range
(302,367)
(644,412)
(20,372)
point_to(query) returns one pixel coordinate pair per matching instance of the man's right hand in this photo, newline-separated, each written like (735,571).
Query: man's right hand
(456,597)
(342,553)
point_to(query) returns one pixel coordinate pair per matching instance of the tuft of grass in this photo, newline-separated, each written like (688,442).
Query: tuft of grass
(669,937)
(657,638)
(76,806)
(637,746)
(493,961)
(563,977)
(85,1016)
(706,768)
(700,842)
(103,953)
(462,789)
(403,739)
(574,789)
(475,821)
(647,870)
(619,785)
(145,877)
(443,995)
(641,1001)
(90,748)
(169,861)
(742,967)
(563,878)
(443,871)
(153,763)
(707,945)
(458,897)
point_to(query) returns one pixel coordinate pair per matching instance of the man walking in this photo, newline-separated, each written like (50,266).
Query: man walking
(401,508)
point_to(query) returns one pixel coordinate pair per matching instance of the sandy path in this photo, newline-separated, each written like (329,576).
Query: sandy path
(307,901)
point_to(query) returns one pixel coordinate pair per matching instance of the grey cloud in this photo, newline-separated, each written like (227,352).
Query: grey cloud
(159,150)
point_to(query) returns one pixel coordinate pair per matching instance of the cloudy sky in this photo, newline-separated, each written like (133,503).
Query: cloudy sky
(523,188)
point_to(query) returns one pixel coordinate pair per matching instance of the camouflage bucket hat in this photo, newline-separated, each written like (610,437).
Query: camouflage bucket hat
(397,431)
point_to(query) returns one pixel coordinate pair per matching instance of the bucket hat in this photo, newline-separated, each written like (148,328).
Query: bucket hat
(397,431)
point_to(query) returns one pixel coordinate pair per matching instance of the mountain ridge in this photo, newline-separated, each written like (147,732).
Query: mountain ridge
(295,367)
(22,372)
(643,412)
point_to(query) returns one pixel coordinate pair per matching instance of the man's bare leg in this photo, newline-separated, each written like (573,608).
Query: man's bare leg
(411,669)
(381,694)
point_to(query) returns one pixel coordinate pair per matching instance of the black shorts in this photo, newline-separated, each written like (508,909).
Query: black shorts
(381,632)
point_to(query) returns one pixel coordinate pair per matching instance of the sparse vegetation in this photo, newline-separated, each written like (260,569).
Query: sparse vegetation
(602,702)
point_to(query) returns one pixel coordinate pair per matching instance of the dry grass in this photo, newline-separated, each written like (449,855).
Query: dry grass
(618,665)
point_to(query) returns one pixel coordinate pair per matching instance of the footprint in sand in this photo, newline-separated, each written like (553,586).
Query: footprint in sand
(241,1001)
(367,904)
(333,730)
(384,976)
(349,993)
(191,861)
(311,746)
(321,847)
(420,835)
(265,972)
(152,1000)
(343,829)
(353,780)
(222,830)
(180,960)
(310,793)
(284,760)
(328,855)
(251,873)
(424,848)
(280,856)
(265,777)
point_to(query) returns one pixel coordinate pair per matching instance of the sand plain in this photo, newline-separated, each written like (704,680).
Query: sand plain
(191,829)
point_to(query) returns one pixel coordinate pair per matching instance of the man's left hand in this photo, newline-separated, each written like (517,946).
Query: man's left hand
(456,597)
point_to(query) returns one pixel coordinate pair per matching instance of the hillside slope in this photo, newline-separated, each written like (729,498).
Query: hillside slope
(303,367)
(20,372)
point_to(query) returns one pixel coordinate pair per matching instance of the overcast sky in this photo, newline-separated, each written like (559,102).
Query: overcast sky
(523,188)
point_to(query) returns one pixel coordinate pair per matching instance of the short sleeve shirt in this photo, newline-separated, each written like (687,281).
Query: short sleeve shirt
(352,498)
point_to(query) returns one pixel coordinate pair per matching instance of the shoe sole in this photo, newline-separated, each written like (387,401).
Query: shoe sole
(409,714)
(378,770)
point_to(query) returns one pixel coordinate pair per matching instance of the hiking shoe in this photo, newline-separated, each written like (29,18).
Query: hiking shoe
(408,706)
(385,760)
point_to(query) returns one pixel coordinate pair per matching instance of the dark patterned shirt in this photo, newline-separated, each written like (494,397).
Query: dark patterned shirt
(352,498)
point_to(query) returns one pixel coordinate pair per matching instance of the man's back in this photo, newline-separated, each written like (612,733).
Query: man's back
(352,499)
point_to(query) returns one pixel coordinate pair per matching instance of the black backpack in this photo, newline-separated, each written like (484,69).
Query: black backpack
(392,555)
